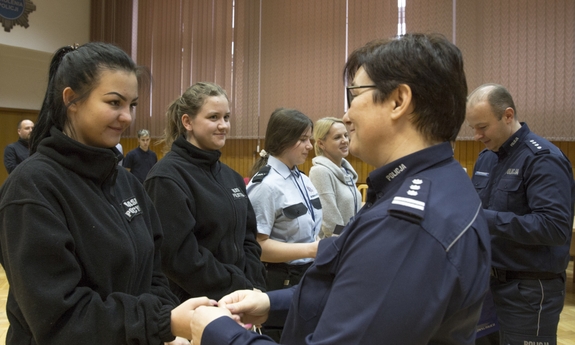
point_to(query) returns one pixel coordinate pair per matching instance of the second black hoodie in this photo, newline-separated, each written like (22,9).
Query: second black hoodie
(210,247)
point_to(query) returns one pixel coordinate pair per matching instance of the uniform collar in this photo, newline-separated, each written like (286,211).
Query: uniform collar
(391,176)
(512,143)
(279,166)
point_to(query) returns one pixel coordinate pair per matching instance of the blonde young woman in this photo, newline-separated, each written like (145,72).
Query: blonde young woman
(333,176)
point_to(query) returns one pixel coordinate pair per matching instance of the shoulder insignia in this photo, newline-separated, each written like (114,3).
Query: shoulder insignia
(483,151)
(409,201)
(261,174)
(535,147)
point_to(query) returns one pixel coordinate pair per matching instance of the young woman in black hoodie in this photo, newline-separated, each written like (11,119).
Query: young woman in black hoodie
(210,247)
(79,237)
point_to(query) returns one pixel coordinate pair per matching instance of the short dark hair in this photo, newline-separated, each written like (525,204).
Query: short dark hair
(80,69)
(431,66)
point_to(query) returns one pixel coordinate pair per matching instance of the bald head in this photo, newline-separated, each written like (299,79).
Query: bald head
(491,114)
(497,96)
(25,127)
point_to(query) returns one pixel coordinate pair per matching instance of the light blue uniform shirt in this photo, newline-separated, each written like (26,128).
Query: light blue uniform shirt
(287,206)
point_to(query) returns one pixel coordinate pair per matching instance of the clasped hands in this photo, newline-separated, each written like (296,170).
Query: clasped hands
(246,307)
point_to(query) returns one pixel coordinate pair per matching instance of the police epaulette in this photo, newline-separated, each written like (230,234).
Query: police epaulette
(409,201)
(483,151)
(535,147)
(261,174)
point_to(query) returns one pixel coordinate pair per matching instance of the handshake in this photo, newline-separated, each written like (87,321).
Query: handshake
(246,307)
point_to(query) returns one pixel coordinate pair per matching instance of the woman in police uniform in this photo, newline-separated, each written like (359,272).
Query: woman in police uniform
(287,206)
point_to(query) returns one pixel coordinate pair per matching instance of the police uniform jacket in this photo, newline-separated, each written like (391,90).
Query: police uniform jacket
(411,268)
(340,198)
(210,246)
(287,205)
(15,153)
(80,243)
(527,190)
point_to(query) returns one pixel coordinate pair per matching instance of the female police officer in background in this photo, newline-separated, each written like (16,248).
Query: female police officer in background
(287,205)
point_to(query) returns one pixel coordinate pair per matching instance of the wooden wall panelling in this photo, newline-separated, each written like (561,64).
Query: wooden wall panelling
(240,154)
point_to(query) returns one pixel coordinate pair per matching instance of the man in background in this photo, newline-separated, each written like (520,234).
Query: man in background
(16,152)
(526,186)
(140,160)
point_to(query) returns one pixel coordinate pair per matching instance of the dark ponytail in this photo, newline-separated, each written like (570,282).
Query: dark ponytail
(78,68)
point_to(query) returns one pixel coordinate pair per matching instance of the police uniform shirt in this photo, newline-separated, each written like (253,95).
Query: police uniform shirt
(411,268)
(527,189)
(282,203)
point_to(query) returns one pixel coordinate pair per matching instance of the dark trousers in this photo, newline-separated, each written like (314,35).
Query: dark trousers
(281,276)
(488,327)
(528,309)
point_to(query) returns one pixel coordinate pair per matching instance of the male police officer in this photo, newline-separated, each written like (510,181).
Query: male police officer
(18,151)
(527,189)
(413,266)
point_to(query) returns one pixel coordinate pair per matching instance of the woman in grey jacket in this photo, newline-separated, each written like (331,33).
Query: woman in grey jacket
(333,176)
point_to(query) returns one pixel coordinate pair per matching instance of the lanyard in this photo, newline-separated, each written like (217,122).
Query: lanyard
(305,196)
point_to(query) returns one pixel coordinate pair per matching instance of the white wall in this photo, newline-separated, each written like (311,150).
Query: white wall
(25,53)
(53,24)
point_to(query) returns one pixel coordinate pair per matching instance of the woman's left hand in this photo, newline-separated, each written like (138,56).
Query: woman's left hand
(202,317)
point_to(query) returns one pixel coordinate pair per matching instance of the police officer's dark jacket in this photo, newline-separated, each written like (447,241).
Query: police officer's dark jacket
(411,268)
(15,154)
(528,192)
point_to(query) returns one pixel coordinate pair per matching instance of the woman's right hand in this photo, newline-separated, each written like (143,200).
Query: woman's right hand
(252,306)
(182,315)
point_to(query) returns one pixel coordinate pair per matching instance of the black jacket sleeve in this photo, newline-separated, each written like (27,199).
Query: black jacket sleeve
(255,269)
(192,267)
(10,161)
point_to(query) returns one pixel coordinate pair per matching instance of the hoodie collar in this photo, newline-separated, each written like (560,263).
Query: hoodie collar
(195,155)
(96,164)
